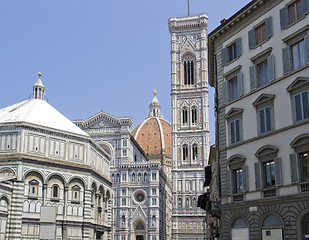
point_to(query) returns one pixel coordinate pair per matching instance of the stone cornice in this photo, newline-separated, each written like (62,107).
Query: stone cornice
(238,17)
(187,23)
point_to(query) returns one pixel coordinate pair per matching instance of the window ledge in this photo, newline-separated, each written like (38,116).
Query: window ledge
(235,69)
(294,23)
(230,62)
(261,43)
(265,52)
(54,199)
(75,201)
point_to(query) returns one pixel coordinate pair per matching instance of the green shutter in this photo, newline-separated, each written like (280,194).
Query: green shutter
(258,178)
(286,55)
(284,19)
(240,84)
(306,39)
(251,37)
(245,178)
(225,92)
(271,67)
(278,171)
(224,56)
(238,47)
(229,182)
(269,27)
(253,80)
(305,6)
(295,167)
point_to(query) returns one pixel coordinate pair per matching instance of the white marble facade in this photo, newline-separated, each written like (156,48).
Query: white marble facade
(142,203)
(46,160)
(190,131)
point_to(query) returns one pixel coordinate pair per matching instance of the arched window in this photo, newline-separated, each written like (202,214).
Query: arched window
(153,220)
(179,203)
(184,117)
(33,188)
(194,153)
(133,177)
(188,65)
(145,177)
(240,229)
(76,193)
(139,177)
(135,158)
(187,202)
(194,116)
(272,225)
(194,202)
(185,152)
(118,177)
(55,191)
(123,220)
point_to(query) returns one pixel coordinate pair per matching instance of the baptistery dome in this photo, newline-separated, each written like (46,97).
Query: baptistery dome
(154,134)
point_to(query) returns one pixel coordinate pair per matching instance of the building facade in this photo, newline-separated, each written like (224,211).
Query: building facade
(259,65)
(190,130)
(54,179)
(140,175)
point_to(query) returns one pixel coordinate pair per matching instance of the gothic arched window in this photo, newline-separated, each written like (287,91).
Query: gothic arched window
(193,116)
(185,152)
(188,65)
(184,116)
(194,152)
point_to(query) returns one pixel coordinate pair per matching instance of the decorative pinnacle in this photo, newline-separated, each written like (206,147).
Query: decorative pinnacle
(155,92)
(40,74)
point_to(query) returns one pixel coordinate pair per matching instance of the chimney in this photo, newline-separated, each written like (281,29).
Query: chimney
(223,20)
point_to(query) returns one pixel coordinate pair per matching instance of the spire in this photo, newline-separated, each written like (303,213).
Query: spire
(155,107)
(38,89)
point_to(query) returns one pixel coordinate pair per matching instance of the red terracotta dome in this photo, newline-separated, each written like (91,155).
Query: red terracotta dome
(154,133)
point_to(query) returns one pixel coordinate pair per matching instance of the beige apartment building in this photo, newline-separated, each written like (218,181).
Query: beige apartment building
(259,65)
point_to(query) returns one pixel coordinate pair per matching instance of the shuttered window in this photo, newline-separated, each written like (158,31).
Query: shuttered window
(231,52)
(235,131)
(293,12)
(260,33)
(268,174)
(265,119)
(237,179)
(298,55)
(233,88)
(301,106)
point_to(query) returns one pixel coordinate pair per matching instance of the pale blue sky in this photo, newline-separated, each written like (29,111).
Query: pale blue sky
(95,54)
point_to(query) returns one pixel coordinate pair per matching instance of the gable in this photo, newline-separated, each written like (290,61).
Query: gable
(298,83)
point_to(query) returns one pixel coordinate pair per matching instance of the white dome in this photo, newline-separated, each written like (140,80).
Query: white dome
(40,113)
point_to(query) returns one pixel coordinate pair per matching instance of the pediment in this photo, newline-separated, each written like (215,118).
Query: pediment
(263,98)
(188,45)
(266,150)
(298,83)
(103,120)
(236,159)
(139,214)
(233,112)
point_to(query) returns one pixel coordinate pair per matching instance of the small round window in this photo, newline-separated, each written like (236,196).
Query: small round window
(139,196)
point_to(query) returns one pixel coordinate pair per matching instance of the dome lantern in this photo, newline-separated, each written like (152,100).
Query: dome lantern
(155,107)
(38,89)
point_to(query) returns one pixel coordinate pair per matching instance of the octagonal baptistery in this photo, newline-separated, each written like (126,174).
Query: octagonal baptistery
(54,179)
(154,134)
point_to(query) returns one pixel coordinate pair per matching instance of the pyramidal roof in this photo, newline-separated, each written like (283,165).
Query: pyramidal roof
(37,111)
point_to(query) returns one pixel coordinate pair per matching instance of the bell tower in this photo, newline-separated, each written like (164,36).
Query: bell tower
(190,131)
